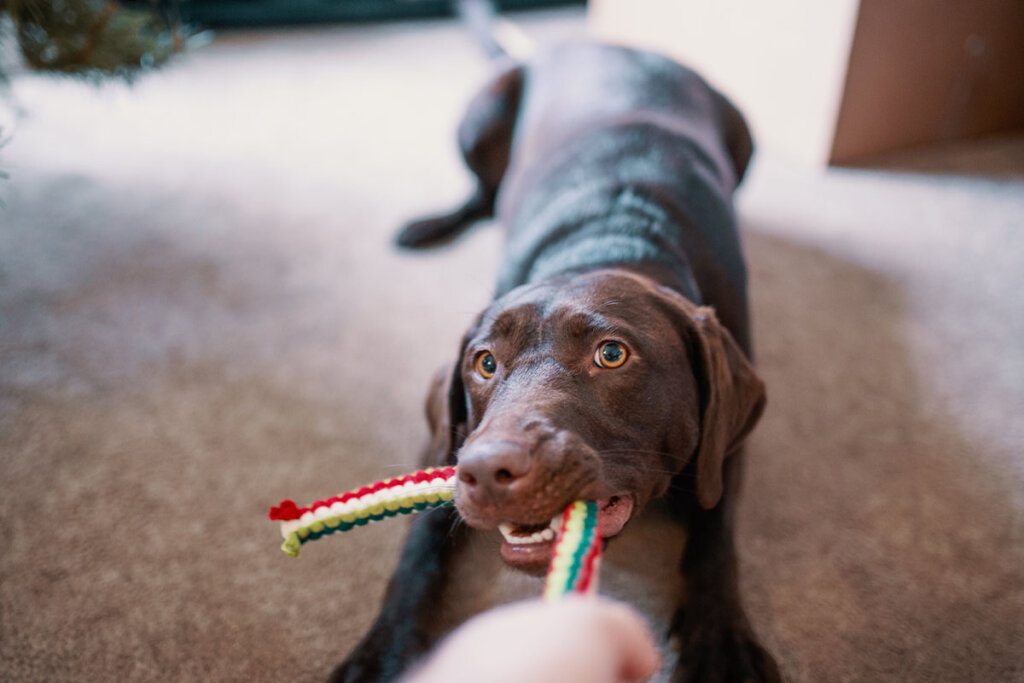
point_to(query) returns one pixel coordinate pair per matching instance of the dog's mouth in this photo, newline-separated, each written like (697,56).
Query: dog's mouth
(528,547)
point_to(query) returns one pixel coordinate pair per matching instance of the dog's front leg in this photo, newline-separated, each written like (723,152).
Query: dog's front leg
(716,642)
(406,626)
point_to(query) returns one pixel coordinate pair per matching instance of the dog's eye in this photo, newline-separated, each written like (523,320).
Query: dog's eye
(610,354)
(486,364)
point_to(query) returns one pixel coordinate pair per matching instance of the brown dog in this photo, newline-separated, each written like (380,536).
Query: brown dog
(611,366)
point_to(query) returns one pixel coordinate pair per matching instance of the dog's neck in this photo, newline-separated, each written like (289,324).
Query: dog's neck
(607,228)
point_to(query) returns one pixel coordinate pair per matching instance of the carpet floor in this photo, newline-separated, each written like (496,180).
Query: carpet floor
(201,313)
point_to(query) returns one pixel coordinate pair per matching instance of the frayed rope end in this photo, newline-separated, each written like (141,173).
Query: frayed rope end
(291,545)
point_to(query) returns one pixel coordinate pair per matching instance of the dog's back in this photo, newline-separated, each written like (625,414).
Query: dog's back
(625,158)
(579,88)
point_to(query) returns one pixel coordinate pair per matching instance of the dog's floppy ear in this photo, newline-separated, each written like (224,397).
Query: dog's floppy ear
(446,414)
(732,400)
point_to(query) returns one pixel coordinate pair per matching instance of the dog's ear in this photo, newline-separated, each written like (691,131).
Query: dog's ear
(732,400)
(446,414)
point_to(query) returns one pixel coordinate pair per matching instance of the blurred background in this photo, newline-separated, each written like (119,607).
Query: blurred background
(201,313)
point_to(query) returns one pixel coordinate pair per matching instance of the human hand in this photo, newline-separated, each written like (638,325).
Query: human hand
(578,638)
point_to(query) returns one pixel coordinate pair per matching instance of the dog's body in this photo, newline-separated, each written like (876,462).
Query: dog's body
(601,371)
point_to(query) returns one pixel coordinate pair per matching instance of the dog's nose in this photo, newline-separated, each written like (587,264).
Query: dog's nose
(488,470)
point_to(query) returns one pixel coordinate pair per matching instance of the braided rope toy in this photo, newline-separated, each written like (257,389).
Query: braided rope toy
(577,552)
(574,561)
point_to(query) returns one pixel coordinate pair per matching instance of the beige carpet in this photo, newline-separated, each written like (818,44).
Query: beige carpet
(200,314)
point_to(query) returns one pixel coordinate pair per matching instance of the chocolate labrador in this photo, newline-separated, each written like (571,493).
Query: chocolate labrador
(613,364)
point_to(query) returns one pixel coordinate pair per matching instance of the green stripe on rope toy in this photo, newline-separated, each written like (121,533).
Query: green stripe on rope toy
(577,552)
(574,560)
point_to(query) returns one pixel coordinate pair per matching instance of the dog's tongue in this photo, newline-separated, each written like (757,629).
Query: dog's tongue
(613,514)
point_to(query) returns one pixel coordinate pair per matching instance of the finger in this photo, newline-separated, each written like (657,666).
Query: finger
(639,656)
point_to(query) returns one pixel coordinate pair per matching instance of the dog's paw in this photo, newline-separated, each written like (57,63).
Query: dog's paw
(724,655)
(357,670)
(379,657)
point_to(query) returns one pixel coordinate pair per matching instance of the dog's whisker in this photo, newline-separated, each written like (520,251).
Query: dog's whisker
(655,470)
(456,522)
(640,451)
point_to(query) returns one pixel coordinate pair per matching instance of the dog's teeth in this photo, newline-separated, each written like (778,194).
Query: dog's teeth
(508,531)
(556,523)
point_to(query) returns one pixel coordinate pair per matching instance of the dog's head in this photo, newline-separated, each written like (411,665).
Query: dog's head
(601,387)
